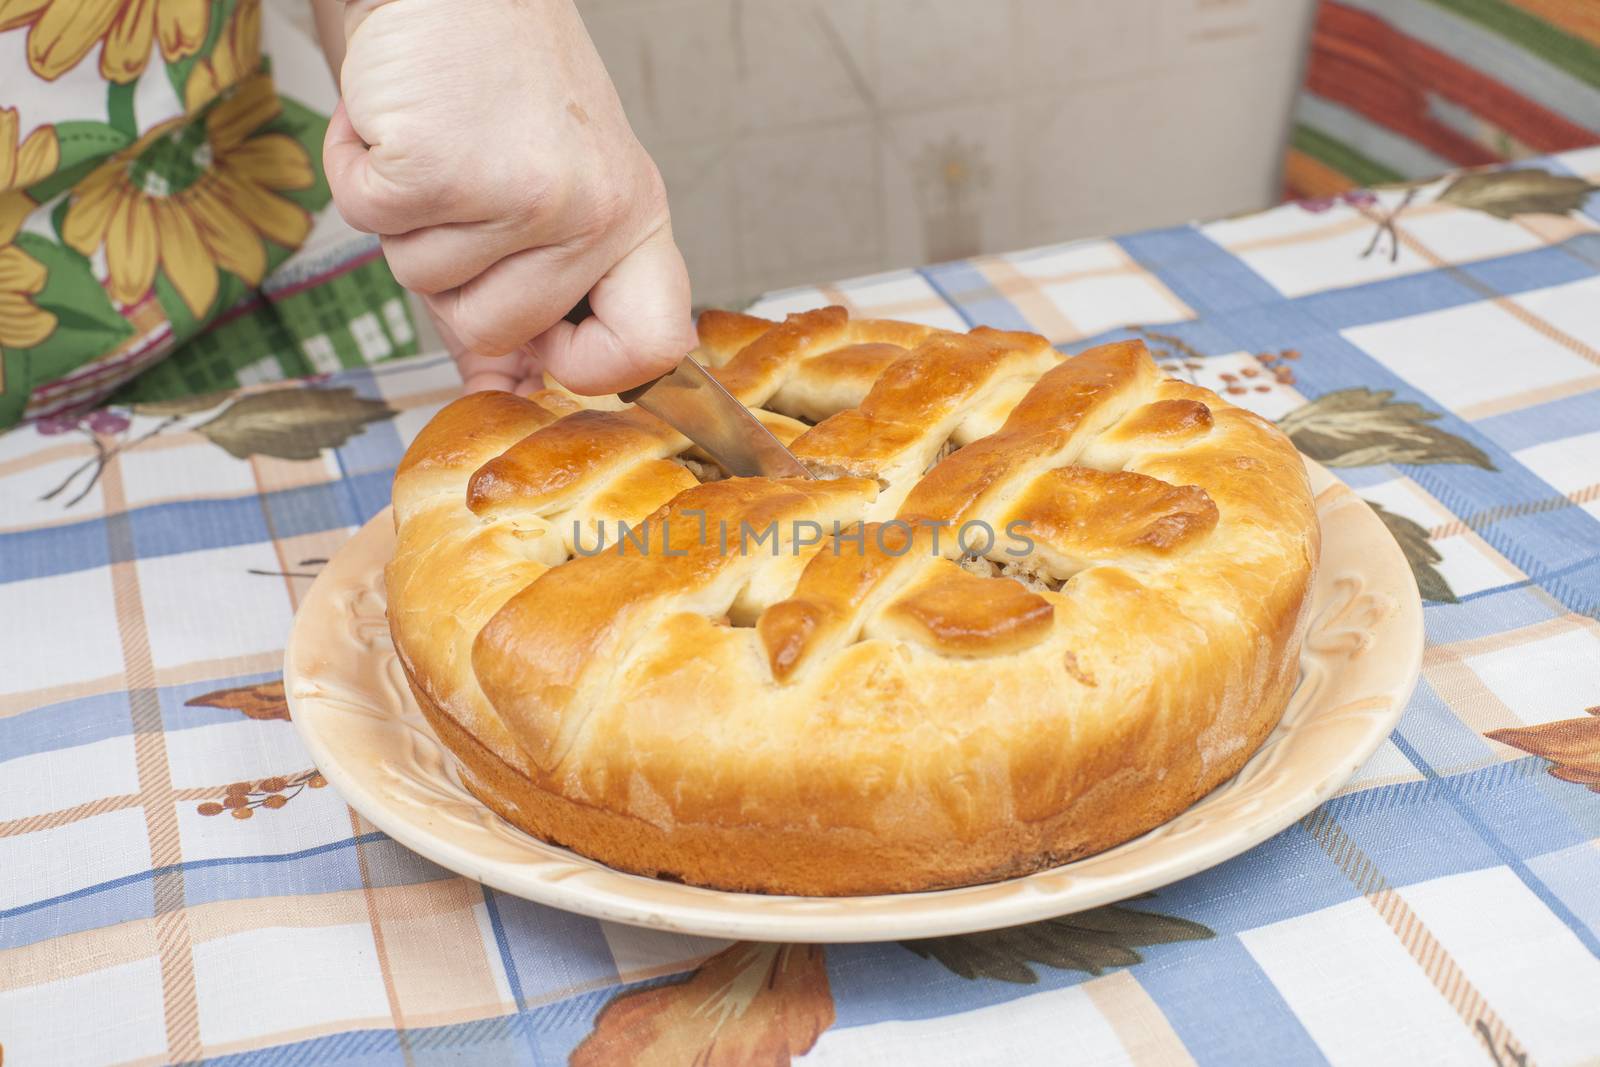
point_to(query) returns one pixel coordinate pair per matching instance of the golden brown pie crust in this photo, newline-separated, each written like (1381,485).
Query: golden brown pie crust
(917,712)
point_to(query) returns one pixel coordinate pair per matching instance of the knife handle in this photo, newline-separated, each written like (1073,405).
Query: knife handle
(629,396)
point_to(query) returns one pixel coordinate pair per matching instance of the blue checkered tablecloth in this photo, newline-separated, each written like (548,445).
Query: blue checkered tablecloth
(177,883)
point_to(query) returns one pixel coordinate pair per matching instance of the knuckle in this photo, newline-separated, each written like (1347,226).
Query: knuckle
(510,191)
(375,206)
(396,190)
(429,184)
(478,334)
(606,205)
(612,204)
(415,272)
(652,196)
(533,193)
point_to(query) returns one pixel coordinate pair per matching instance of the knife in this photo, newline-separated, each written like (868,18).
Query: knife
(691,401)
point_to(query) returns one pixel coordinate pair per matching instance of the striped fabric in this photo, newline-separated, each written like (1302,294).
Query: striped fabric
(178,883)
(1404,89)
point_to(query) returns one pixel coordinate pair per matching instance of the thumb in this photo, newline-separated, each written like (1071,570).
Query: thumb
(347,162)
(640,328)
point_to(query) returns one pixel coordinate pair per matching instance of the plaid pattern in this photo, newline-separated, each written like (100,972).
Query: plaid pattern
(1400,89)
(1443,909)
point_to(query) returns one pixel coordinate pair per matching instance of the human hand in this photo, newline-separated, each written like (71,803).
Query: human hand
(485,144)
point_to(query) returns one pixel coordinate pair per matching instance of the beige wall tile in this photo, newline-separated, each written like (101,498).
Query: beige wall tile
(793,67)
(935,52)
(700,188)
(1203,139)
(950,183)
(807,198)
(673,62)
(1063,118)
(1062,42)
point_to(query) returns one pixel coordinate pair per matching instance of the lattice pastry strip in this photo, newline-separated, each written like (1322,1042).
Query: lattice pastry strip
(917,404)
(958,613)
(565,635)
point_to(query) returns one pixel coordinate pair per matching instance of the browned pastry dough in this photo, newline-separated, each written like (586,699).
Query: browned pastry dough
(884,712)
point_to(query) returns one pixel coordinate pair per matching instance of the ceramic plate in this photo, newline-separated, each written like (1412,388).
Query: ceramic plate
(356,715)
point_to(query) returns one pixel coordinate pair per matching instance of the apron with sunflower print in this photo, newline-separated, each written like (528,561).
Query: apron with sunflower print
(165,227)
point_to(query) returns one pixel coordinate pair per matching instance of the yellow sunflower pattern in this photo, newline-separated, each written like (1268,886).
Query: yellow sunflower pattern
(22,322)
(124,233)
(62,32)
(236,57)
(133,207)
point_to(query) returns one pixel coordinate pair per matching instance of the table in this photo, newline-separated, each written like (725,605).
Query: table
(176,882)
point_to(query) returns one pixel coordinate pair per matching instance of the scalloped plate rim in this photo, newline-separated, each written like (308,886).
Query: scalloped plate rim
(626,898)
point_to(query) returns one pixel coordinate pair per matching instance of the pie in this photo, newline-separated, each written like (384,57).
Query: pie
(1031,606)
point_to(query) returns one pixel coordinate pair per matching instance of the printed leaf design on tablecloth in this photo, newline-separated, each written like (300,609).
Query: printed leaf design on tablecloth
(292,423)
(1091,941)
(760,1005)
(1504,193)
(241,799)
(264,700)
(1412,537)
(1363,427)
(286,423)
(1571,745)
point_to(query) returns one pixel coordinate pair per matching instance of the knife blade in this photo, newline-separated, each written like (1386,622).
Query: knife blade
(691,401)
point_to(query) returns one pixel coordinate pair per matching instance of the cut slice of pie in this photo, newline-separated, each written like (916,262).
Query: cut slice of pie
(1033,606)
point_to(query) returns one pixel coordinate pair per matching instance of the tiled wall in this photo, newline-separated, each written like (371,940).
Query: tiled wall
(803,140)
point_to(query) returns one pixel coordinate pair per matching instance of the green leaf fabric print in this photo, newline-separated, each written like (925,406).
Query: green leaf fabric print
(308,128)
(1363,427)
(1412,537)
(86,320)
(82,145)
(292,423)
(1506,193)
(1093,941)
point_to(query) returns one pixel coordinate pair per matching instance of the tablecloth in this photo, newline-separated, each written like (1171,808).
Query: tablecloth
(177,882)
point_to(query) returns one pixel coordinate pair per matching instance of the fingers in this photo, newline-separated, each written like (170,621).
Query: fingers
(369,200)
(363,200)
(511,373)
(517,298)
(436,259)
(514,372)
(640,329)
